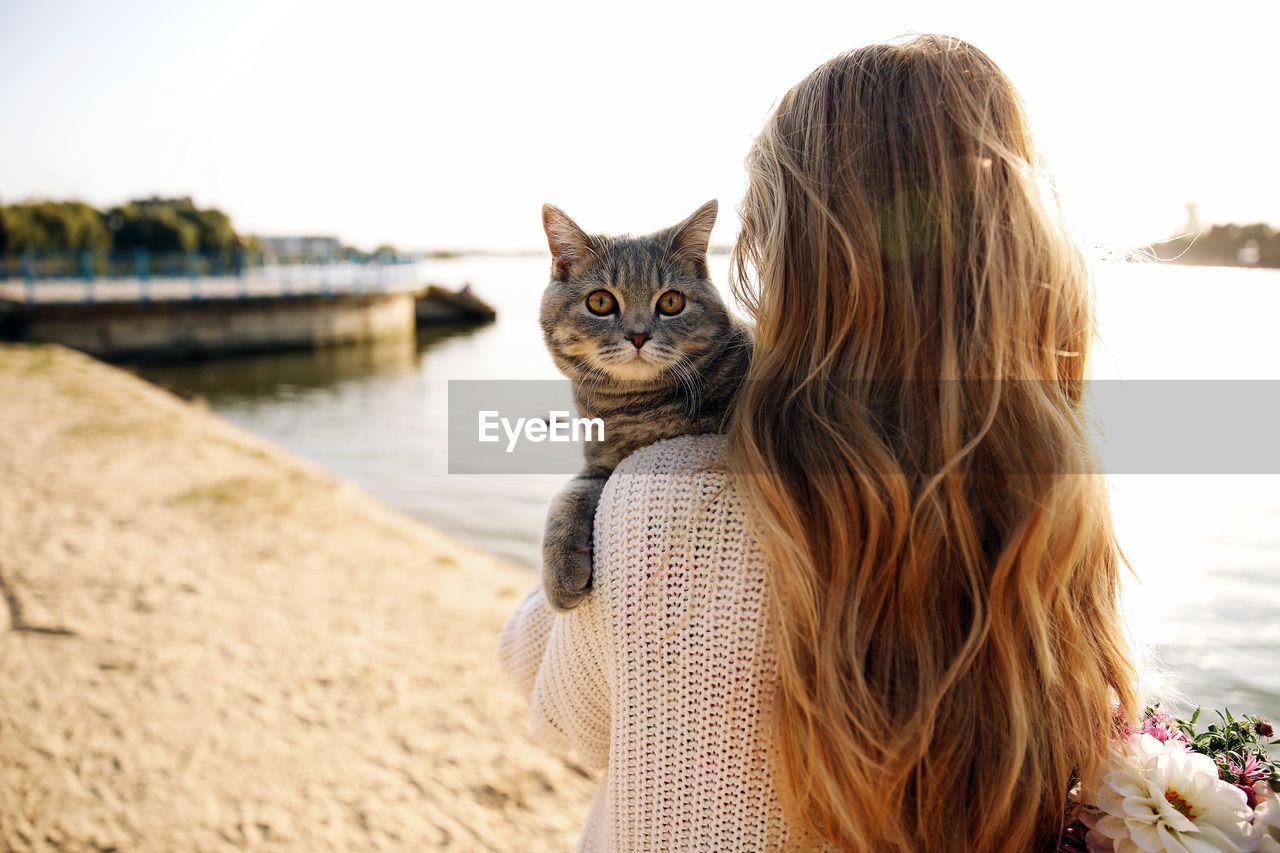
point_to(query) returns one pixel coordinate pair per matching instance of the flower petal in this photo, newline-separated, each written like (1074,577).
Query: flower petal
(1098,843)
(1149,838)
(1142,808)
(1112,826)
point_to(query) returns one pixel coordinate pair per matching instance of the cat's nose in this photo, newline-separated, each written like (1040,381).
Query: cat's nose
(638,338)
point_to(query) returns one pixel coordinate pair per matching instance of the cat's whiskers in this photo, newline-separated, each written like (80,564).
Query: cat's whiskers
(685,374)
(593,374)
(628,365)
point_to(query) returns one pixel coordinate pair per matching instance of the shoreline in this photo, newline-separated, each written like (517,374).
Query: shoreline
(208,643)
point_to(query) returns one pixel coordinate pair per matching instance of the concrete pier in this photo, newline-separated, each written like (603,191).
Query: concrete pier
(162,330)
(165,318)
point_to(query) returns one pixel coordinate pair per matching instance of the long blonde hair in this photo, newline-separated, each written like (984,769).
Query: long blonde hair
(912,444)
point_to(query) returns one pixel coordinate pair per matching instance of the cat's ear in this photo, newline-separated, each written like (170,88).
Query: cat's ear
(689,239)
(569,243)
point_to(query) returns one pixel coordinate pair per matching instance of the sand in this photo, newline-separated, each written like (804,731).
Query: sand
(209,644)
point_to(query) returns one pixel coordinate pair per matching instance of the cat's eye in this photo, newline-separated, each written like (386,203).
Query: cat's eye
(601,302)
(671,302)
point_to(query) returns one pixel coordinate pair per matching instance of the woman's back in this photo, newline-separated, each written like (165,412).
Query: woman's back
(666,672)
(913,448)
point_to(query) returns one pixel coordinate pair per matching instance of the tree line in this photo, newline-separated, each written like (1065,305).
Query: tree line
(160,226)
(1230,245)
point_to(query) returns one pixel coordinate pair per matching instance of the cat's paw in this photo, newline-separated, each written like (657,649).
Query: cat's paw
(566,575)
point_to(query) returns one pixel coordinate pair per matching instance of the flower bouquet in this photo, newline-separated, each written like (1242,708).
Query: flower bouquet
(1167,787)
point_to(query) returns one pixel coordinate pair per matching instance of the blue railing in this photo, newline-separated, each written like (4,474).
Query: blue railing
(138,275)
(39,264)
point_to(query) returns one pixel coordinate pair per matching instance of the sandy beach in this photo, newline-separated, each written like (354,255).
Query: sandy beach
(209,644)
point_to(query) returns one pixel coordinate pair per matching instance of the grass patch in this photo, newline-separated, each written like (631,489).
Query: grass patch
(233,491)
(29,359)
(245,450)
(96,429)
(260,495)
(79,388)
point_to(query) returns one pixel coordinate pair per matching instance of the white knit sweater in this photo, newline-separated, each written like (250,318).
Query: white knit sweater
(665,672)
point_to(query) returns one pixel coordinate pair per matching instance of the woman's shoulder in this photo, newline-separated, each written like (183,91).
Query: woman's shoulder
(676,457)
(659,480)
(676,494)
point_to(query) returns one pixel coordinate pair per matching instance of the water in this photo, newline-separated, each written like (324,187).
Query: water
(1205,549)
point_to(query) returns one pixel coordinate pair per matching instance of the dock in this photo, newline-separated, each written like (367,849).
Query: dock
(164,318)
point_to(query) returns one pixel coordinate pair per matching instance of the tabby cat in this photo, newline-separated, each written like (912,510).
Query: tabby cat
(637,325)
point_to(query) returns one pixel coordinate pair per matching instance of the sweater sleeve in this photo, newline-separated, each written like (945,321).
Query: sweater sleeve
(523,641)
(558,662)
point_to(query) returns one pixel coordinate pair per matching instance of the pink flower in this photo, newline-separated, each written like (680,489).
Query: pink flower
(1163,728)
(1252,768)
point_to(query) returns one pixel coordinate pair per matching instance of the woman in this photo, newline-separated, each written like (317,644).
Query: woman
(882,614)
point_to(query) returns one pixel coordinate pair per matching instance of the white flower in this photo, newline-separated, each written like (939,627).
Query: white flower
(1266,817)
(1152,797)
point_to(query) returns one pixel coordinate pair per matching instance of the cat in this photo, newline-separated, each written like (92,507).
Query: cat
(637,325)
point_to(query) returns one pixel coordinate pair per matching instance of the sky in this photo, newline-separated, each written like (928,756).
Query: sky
(447,125)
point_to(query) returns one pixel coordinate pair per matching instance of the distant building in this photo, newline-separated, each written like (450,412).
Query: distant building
(150,205)
(304,248)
